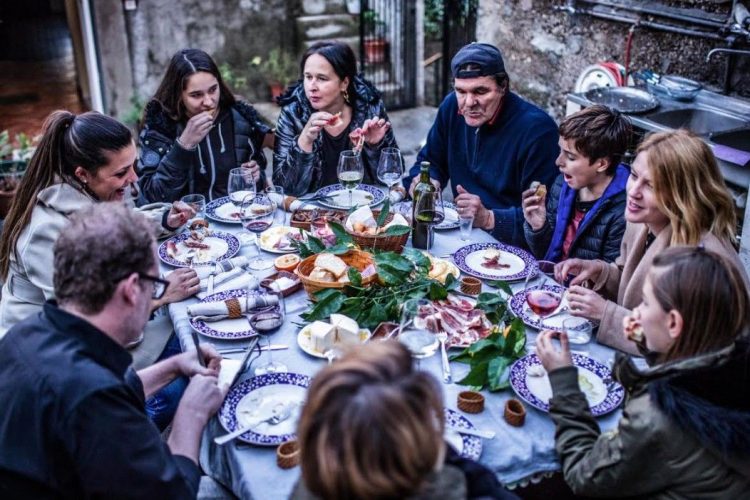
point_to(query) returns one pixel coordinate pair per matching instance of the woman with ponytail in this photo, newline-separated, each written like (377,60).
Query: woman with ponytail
(80,160)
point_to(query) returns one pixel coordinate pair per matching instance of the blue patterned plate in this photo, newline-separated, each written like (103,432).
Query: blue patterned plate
(470,258)
(337,196)
(471,446)
(223,246)
(223,210)
(253,400)
(451,214)
(520,309)
(530,381)
(226,329)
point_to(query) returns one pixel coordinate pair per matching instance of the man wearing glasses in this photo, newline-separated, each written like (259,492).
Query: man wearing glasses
(73,420)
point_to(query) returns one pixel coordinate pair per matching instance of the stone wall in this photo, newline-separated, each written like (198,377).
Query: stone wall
(232,31)
(545,49)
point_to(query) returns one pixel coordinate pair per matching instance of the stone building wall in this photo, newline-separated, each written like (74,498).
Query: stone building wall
(545,49)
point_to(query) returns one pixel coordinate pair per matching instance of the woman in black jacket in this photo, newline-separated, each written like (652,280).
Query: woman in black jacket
(195,132)
(330,111)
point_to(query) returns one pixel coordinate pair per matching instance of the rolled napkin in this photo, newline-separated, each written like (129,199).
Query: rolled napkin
(222,277)
(242,281)
(226,265)
(230,308)
(288,203)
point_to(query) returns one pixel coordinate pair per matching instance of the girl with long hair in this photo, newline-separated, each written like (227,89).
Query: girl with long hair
(676,196)
(195,132)
(685,429)
(331,110)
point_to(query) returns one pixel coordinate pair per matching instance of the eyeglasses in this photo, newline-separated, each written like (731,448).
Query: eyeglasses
(160,285)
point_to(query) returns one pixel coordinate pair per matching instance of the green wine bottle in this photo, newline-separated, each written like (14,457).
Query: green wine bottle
(420,231)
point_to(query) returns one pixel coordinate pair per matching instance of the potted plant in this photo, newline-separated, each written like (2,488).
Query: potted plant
(375,44)
(12,166)
(278,70)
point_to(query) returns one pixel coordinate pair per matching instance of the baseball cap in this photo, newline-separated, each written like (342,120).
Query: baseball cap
(487,57)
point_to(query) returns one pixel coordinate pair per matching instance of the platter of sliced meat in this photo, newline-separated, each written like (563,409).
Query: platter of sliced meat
(495,261)
(458,317)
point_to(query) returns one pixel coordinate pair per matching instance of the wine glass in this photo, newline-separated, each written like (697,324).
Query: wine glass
(266,322)
(240,185)
(197,202)
(276,193)
(415,332)
(390,167)
(541,302)
(257,214)
(429,210)
(350,171)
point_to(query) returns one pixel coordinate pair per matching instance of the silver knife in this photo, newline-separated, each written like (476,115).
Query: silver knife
(473,432)
(238,350)
(253,342)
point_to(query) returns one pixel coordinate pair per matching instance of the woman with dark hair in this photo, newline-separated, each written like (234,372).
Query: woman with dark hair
(331,110)
(195,132)
(372,427)
(81,160)
(685,429)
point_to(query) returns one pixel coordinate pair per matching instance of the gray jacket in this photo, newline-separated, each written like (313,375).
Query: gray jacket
(29,281)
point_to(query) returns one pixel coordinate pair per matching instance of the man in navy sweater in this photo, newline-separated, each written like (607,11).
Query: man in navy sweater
(489,143)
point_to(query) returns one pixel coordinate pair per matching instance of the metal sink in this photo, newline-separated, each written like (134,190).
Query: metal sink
(700,121)
(737,139)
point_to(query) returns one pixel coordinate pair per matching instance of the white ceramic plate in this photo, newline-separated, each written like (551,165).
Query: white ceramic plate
(304,341)
(267,238)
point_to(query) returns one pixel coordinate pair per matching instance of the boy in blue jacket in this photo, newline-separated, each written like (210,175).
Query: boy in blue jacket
(584,213)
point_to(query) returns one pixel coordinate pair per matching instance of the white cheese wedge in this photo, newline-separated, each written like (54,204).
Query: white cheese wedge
(322,336)
(347,330)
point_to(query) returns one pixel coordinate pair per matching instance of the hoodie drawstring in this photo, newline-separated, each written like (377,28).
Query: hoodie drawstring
(221,138)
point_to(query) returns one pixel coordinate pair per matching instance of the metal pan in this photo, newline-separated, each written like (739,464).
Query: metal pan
(623,99)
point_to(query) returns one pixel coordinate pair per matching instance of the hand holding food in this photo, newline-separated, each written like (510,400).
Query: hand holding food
(583,270)
(551,357)
(632,328)
(179,213)
(196,129)
(312,129)
(253,169)
(534,209)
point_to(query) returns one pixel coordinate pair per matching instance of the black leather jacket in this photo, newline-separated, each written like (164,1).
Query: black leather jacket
(300,172)
(168,171)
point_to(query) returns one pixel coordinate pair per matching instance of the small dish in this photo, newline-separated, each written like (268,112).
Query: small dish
(288,454)
(267,282)
(470,402)
(515,413)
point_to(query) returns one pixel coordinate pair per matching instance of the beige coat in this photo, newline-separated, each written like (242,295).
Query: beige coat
(29,281)
(622,280)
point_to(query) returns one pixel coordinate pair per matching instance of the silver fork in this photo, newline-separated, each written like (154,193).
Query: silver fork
(447,377)
(279,413)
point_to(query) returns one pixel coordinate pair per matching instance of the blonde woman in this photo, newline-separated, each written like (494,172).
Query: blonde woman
(372,427)
(676,196)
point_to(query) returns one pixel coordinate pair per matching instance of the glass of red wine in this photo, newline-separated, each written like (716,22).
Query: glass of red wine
(257,214)
(542,302)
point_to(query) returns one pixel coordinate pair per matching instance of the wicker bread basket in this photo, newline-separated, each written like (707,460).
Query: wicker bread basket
(353,258)
(381,241)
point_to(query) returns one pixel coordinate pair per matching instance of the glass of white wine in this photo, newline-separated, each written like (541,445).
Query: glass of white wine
(350,171)
(390,167)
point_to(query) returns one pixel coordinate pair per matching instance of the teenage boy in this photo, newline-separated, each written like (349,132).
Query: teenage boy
(584,212)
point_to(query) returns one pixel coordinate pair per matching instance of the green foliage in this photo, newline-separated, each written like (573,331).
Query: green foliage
(6,148)
(231,77)
(279,67)
(132,116)
(490,358)
(433,19)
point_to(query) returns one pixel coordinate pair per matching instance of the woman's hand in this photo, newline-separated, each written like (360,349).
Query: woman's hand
(534,210)
(183,283)
(196,130)
(374,130)
(252,169)
(312,130)
(586,303)
(551,357)
(582,269)
(179,213)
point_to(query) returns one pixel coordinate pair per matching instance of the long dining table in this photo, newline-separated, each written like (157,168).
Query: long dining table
(517,455)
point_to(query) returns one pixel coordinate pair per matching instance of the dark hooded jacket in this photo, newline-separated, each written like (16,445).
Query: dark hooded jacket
(599,233)
(300,172)
(684,431)
(167,171)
